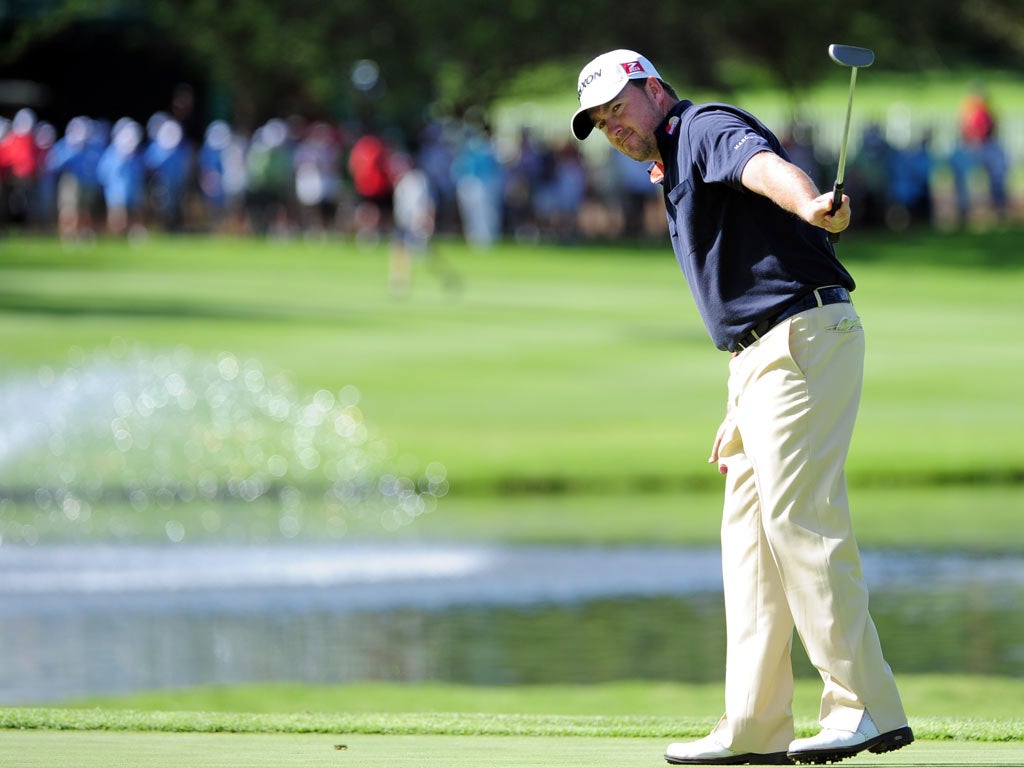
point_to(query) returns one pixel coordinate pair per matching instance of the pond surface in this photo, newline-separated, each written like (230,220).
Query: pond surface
(79,620)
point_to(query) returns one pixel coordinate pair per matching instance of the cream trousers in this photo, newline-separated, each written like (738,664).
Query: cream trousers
(789,556)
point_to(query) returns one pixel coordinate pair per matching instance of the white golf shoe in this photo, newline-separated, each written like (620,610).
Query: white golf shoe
(832,745)
(708,751)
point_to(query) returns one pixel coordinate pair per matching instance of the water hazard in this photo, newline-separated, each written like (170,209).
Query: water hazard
(78,620)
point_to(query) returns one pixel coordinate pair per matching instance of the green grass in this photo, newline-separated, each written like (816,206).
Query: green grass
(553,719)
(903,517)
(370,724)
(885,517)
(622,709)
(563,384)
(927,697)
(45,749)
(454,724)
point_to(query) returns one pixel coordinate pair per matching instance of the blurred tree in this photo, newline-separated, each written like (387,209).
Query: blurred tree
(274,57)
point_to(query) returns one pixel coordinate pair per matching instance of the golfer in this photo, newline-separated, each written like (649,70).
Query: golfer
(750,231)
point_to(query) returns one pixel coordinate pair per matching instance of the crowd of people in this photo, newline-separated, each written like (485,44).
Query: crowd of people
(893,185)
(294,177)
(287,177)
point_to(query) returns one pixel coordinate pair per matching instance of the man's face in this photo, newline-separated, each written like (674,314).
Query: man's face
(629,120)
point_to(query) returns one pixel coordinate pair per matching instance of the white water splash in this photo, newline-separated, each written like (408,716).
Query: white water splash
(155,432)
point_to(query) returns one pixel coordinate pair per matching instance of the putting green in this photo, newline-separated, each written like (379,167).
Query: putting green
(99,749)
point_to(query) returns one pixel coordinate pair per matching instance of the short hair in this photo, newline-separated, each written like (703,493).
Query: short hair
(640,83)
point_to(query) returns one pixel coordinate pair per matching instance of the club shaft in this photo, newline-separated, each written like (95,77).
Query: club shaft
(840,175)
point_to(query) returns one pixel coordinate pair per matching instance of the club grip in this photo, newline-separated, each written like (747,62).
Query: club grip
(837,203)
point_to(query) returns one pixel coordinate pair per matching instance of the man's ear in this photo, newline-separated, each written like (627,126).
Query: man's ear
(654,88)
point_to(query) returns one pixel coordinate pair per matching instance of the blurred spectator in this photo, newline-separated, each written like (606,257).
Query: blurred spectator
(20,165)
(961,163)
(435,157)
(415,218)
(5,128)
(522,180)
(370,164)
(168,159)
(122,175)
(479,188)
(996,163)
(270,181)
(867,177)
(73,161)
(977,123)
(798,141)
(565,193)
(633,191)
(414,213)
(223,178)
(45,136)
(979,149)
(211,172)
(910,185)
(317,178)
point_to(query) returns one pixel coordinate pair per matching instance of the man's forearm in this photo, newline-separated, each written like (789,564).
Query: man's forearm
(780,181)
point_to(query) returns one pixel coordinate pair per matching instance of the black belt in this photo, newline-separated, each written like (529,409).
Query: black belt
(820,297)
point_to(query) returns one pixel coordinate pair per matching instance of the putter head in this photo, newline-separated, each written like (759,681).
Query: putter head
(851,55)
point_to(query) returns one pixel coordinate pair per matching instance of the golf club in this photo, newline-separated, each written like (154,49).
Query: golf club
(853,57)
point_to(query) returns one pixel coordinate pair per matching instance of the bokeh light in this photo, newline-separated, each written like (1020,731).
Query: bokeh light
(141,436)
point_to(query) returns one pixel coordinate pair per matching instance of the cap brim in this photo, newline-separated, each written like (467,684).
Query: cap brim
(582,125)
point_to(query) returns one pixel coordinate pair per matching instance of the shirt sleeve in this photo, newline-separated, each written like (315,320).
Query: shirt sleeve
(722,142)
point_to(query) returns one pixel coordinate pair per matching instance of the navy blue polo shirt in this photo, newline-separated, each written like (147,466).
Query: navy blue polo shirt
(745,259)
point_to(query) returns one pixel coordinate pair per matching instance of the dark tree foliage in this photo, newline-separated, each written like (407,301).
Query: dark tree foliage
(275,57)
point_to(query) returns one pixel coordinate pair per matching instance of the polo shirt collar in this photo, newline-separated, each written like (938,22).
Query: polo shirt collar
(667,136)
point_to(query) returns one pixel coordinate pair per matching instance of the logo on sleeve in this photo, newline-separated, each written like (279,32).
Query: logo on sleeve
(744,140)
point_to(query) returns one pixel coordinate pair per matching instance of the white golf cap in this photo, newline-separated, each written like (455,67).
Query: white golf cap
(603,79)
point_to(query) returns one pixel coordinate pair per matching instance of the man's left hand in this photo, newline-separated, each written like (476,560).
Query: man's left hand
(817,213)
